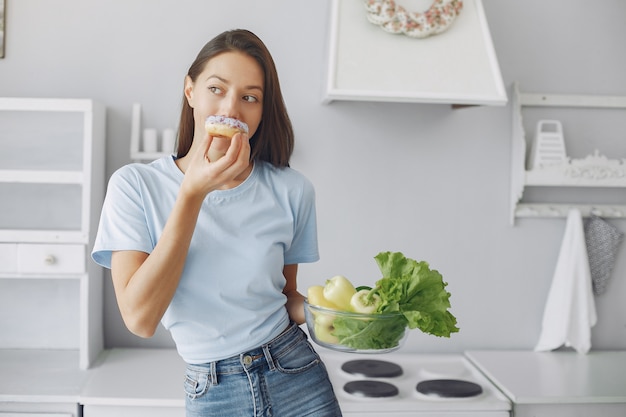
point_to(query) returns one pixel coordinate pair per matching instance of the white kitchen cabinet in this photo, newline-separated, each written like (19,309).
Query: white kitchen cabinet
(594,171)
(51,192)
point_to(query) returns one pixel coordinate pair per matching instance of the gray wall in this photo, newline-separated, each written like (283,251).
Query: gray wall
(433,184)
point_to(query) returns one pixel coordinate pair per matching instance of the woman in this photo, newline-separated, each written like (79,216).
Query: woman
(208,243)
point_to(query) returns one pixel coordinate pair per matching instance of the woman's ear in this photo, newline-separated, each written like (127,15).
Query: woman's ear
(189,90)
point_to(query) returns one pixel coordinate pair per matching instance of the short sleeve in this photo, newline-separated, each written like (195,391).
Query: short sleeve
(123,224)
(304,246)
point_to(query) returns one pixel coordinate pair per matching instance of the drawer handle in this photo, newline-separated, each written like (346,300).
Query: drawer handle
(50,260)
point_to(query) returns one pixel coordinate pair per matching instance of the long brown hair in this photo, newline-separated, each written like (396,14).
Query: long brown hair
(273,140)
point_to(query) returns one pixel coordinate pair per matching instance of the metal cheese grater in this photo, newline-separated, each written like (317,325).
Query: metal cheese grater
(548,147)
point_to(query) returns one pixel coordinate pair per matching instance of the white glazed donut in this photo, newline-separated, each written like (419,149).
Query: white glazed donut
(224,126)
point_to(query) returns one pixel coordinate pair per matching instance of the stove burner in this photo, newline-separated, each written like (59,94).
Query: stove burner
(371,389)
(371,368)
(449,388)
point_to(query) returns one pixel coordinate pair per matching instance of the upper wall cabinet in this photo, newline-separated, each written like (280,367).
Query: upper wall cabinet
(366,63)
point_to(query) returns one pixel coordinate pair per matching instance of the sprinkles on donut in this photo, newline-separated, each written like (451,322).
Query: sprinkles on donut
(224,126)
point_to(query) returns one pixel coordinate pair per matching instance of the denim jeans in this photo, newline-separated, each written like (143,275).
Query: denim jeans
(284,378)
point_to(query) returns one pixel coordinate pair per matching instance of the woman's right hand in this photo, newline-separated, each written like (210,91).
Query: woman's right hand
(203,176)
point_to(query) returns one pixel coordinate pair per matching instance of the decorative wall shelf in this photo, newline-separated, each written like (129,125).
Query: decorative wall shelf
(458,66)
(138,154)
(595,170)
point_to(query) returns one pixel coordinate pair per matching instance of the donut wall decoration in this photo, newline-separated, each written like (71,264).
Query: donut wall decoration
(437,54)
(396,19)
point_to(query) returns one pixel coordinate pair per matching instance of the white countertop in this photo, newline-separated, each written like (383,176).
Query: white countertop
(136,377)
(528,377)
(37,375)
(154,377)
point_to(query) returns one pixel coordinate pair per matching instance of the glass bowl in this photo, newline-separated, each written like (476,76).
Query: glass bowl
(355,332)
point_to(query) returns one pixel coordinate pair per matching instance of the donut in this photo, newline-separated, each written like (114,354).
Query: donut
(224,126)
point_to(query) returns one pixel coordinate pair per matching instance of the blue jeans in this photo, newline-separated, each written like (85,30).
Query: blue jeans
(283,378)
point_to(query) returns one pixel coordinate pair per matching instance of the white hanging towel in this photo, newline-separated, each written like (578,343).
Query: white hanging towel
(570,310)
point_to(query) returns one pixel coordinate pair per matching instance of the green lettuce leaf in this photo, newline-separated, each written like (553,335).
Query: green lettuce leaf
(370,334)
(418,292)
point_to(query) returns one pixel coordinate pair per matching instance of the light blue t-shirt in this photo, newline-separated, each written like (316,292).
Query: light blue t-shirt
(229,298)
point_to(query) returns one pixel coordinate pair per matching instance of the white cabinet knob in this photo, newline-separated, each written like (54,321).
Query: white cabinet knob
(50,260)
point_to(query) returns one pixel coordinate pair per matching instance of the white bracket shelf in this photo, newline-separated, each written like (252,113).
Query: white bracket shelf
(595,170)
(136,153)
